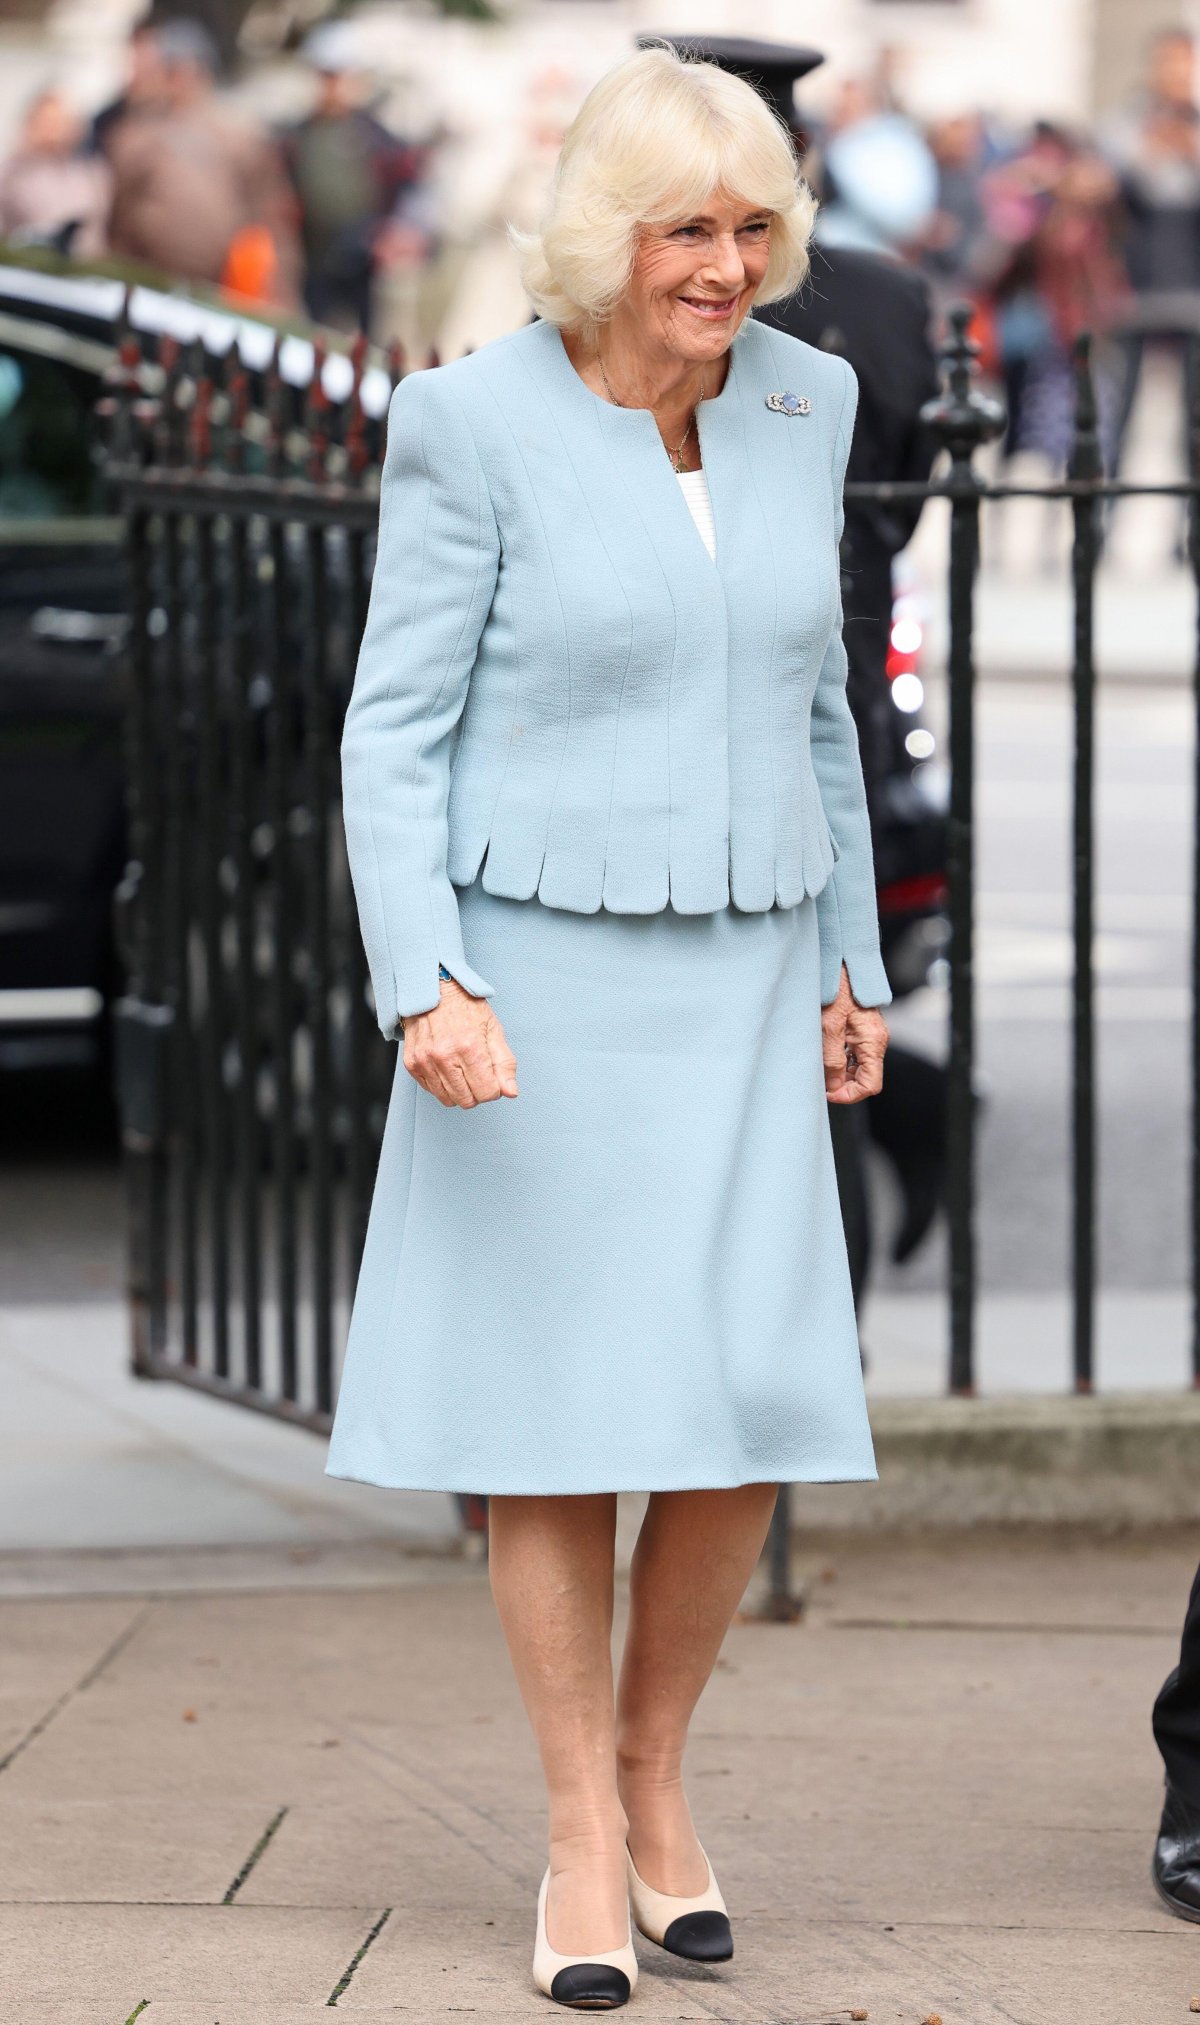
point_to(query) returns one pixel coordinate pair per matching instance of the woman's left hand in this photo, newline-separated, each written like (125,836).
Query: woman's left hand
(854,1039)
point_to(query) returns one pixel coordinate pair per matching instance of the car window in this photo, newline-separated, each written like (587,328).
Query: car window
(47,433)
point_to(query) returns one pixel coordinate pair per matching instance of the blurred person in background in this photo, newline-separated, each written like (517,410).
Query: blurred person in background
(51,190)
(1154,149)
(1054,273)
(197,193)
(873,309)
(878,178)
(488,298)
(952,235)
(361,191)
(145,83)
(887,75)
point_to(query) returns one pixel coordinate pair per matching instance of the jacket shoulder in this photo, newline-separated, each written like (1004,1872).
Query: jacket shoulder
(464,381)
(463,397)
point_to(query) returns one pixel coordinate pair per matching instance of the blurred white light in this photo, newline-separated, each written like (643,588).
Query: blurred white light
(919,744)
(908,692)
(907,636)
(34,1006)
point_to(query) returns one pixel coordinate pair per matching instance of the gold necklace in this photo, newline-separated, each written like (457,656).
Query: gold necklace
(676,457)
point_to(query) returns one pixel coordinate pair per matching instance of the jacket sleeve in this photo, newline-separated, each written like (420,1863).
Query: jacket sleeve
(847,916)
(435,574)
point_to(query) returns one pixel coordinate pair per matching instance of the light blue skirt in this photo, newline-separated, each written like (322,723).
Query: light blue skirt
(633,1276)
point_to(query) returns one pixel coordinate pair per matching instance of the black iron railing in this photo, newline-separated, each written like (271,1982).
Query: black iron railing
(252,1078)
(965,419)
(253,1081)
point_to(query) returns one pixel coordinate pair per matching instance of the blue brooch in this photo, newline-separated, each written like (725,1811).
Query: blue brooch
(790,404)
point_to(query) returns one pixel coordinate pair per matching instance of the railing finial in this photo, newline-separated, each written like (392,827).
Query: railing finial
(316,416)
(167,426)
(1084,459)
(354,440)
(1192,391)
(200,421)
(274,405)
(122,382)
(961,417)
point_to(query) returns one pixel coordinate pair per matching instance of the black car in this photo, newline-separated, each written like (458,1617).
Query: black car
(62,629)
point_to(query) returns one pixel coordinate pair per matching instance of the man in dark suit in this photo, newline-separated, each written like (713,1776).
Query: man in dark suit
(875,312)
(1176,1865)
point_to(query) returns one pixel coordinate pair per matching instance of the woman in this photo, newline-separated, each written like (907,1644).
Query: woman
(599,767)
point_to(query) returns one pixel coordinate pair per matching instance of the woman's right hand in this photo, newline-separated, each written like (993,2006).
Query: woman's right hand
(458,1052)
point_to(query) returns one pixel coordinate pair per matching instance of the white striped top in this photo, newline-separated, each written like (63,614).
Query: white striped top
(694,486)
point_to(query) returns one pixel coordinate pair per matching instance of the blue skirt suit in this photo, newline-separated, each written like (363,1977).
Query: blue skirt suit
(614,786)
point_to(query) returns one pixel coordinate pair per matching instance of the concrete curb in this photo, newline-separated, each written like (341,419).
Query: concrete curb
(1123,1460)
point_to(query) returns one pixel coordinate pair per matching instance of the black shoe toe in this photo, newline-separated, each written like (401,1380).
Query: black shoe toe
(591,1986)
(1175,1865)
(1178,1889)
(700,1937)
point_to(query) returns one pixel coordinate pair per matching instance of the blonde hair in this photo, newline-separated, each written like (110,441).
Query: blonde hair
(651,142)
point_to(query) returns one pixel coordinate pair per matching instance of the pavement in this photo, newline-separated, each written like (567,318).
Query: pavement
(304,1784)
(261,1755)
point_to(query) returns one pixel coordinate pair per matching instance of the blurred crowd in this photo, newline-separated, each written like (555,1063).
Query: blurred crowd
(1049,231)
(169,177)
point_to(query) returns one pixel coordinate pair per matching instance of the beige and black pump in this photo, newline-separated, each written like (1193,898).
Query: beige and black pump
(585,1982)
(696,1928)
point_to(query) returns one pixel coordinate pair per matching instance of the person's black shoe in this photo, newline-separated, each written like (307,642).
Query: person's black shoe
(1175,1865)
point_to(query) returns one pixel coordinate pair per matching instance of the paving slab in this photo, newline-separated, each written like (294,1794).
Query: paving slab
(48,1651)
(972,1976)
(122,1954)
(52,1849)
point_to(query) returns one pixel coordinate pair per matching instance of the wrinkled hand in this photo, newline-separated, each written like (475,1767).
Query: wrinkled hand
(458,1051)
(854,1039)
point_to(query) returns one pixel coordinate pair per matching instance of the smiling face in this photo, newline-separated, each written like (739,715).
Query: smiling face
(694,280)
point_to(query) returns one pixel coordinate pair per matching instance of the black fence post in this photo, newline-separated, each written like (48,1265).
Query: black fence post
(781,1603)
(963,419)
(1193,525)
(141,1022)
(1084,464)
(279,795)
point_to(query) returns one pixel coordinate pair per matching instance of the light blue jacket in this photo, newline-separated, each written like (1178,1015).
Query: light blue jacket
(556,678)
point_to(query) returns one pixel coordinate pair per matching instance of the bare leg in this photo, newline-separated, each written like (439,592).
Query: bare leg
(551,1563)
(695,1555)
